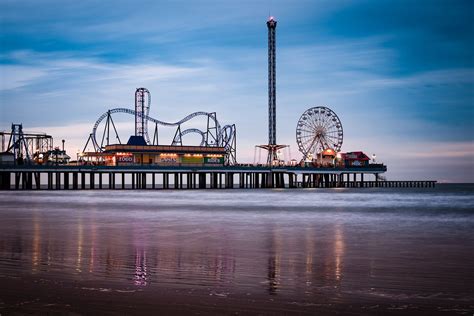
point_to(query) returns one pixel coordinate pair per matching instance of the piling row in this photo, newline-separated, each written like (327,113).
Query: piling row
(76,180)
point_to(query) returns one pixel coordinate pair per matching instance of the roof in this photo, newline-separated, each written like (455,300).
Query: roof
(164,149)
(355,155)
(136,141)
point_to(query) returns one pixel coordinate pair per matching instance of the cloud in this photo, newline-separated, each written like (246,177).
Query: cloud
(17,76)
(64,88)
(432,150)
(435,77)
(421,159)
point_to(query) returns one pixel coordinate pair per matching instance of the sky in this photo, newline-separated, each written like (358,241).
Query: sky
(399,74)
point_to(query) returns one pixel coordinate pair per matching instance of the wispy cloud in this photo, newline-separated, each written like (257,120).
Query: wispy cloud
(16,76)
(435,77)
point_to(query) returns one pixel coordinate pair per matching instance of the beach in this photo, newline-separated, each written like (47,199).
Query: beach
(302,251)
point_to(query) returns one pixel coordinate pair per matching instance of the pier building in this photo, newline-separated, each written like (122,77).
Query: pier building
(155,155)
(355,159)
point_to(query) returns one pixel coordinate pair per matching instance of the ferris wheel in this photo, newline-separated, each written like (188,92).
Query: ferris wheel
(318,129)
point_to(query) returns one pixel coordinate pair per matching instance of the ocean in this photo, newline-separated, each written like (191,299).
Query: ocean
(266,251)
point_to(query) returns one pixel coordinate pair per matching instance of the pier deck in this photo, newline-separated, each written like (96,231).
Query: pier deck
(29,177)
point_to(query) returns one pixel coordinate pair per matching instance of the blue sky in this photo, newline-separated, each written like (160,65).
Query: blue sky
(400,74)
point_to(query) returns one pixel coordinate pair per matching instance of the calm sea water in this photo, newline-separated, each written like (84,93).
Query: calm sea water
(305,250)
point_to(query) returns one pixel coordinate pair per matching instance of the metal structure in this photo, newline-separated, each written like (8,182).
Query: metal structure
(214,136)
(272,148)
(25,145)
(318,129)
(142,109)
(271,24)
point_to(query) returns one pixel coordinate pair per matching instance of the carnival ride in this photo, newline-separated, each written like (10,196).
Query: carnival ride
(215,135)
(319,128)
(26,146)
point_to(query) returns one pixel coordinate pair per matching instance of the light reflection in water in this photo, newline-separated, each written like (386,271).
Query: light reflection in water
(292,257)
(140,278)
(309,243)
(338,250)
(93,246)
(36,254)
(274,262)
(80,232)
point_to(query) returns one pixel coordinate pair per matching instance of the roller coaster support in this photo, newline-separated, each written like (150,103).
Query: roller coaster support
(17,143)
(231,147)
(177,139)
(109,122)
(155,135)
(212,133)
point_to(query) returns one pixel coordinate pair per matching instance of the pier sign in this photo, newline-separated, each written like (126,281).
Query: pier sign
(124,158)
(172,160)
(214,160)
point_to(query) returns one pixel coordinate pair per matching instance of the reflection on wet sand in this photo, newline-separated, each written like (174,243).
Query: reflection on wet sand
(140,277)
(306,257)
(338,250)
(322,262)
(93,246)
(80,240)
(36,246)
(274,261)
(142,254)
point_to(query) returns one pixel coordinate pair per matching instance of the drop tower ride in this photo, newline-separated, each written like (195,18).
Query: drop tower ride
(271,25)
(272,147)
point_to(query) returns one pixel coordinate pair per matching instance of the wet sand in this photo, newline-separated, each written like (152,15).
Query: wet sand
(309,252)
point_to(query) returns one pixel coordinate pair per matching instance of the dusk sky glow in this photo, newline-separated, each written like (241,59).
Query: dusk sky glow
(399,74)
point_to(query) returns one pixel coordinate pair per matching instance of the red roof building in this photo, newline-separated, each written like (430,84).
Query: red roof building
(355,159)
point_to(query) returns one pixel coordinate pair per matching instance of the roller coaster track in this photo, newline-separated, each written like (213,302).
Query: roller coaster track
(224,134)
(193,130)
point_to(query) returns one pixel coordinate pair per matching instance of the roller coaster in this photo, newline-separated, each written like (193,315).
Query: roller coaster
(215,134)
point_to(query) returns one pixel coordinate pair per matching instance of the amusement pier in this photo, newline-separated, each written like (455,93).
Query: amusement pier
(31,161)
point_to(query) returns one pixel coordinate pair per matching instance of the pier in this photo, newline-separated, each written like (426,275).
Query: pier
(147,177)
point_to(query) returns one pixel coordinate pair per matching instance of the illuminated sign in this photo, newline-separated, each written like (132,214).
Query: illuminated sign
(127,159)
(168,159)
(124,157)
(214,160)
